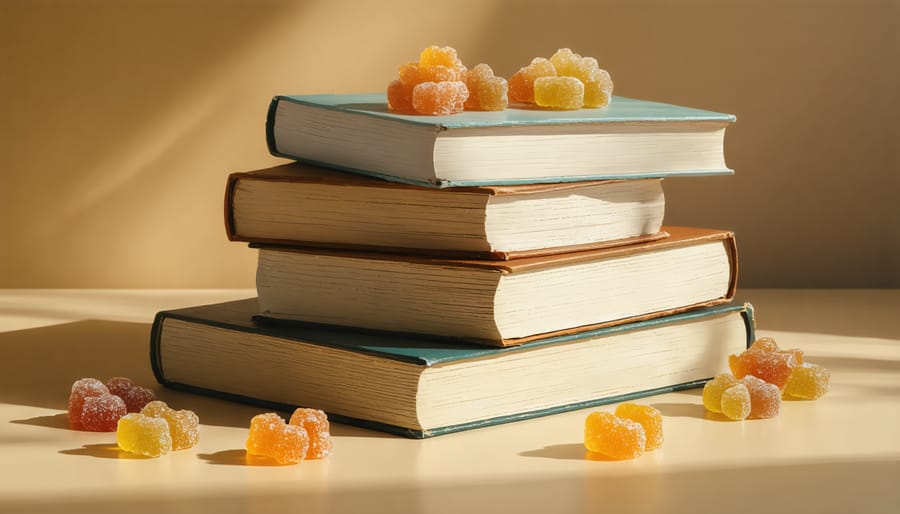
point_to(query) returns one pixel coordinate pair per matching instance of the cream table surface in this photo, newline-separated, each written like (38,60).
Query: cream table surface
(838,454)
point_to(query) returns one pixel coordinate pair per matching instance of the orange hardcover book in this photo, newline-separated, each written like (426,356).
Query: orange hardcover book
(499,303)
(305,205)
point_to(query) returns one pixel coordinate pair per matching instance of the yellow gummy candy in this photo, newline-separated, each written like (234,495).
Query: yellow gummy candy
(144,435)
(712,391)
(559,92)
(649,418)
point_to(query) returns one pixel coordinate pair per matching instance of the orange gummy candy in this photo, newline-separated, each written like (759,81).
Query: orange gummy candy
(612,436)
(765,398)
(521,84)
(315,422)
(773,366)
(441,56)
(436,84)
(559,92)
(271,437)
(486,91)
(649,418)
(808,381)
(439,98)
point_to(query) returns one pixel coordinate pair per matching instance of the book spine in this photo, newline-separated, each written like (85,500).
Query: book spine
(155,357)
(270,128)
(230,187)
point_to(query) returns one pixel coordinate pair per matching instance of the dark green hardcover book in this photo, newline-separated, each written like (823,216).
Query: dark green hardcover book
(628,139)
(420,387)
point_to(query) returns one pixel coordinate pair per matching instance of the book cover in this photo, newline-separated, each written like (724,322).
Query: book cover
(244,358)
(630,138)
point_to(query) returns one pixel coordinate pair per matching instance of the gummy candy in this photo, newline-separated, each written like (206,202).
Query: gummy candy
(441,56)
(765,398)
(612,436)
(598,93)
(559,92)
(521,84)
(735,402)
(436,84)
(713,390)
(144,435)
(81,389)
(439,98)
(183,424)
(135,396)
(102,413)
(271,437)
(807,381)
(315,422)
(486,91)
(566,62)
(772,366)
(649,418)
(399,96)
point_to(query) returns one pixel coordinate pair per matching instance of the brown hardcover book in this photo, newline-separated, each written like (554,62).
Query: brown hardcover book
(304,205)
(499,303)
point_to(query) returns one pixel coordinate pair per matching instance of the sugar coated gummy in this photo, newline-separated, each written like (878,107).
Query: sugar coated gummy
(649,418)
(521,84)
(316,425)
(135,396)
(434,85)
(184,425)
(614,437)
(81,389)
(735,402)
(102,413)
(807,381)
(765,398)
(773,366)
(439,98)
(144,435)
(486,91)
(271,437)
(712,391)
(559,92)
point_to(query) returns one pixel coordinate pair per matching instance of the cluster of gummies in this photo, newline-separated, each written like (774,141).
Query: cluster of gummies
(97,407)
(439,84)
(760,376)
(627,434)
(565,81)
(305,436)
(158,429)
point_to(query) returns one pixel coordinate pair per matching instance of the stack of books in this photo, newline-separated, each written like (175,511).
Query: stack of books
(425,275)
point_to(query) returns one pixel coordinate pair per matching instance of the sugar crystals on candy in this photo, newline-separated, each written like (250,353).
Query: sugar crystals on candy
(649,417)
(713,390)
(317,428)
(271,437)
(144,435)
(614,437)
(81,389)
(102,413)
(559,92)
(184,425)
(808,382)
(735,402)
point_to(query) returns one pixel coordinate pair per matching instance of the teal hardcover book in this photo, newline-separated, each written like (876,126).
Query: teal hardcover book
(421,387)
(628,139)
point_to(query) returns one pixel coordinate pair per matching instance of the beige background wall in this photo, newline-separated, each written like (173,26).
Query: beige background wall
(121,119)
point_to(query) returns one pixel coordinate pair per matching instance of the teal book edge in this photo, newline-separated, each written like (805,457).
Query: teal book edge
(239,316)
(620,110)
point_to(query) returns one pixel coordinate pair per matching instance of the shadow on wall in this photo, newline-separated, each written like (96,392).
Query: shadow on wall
(124,119)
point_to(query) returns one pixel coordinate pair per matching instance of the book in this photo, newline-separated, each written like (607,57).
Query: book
(298,204)
(498,303)
(628,139)
(419,387)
